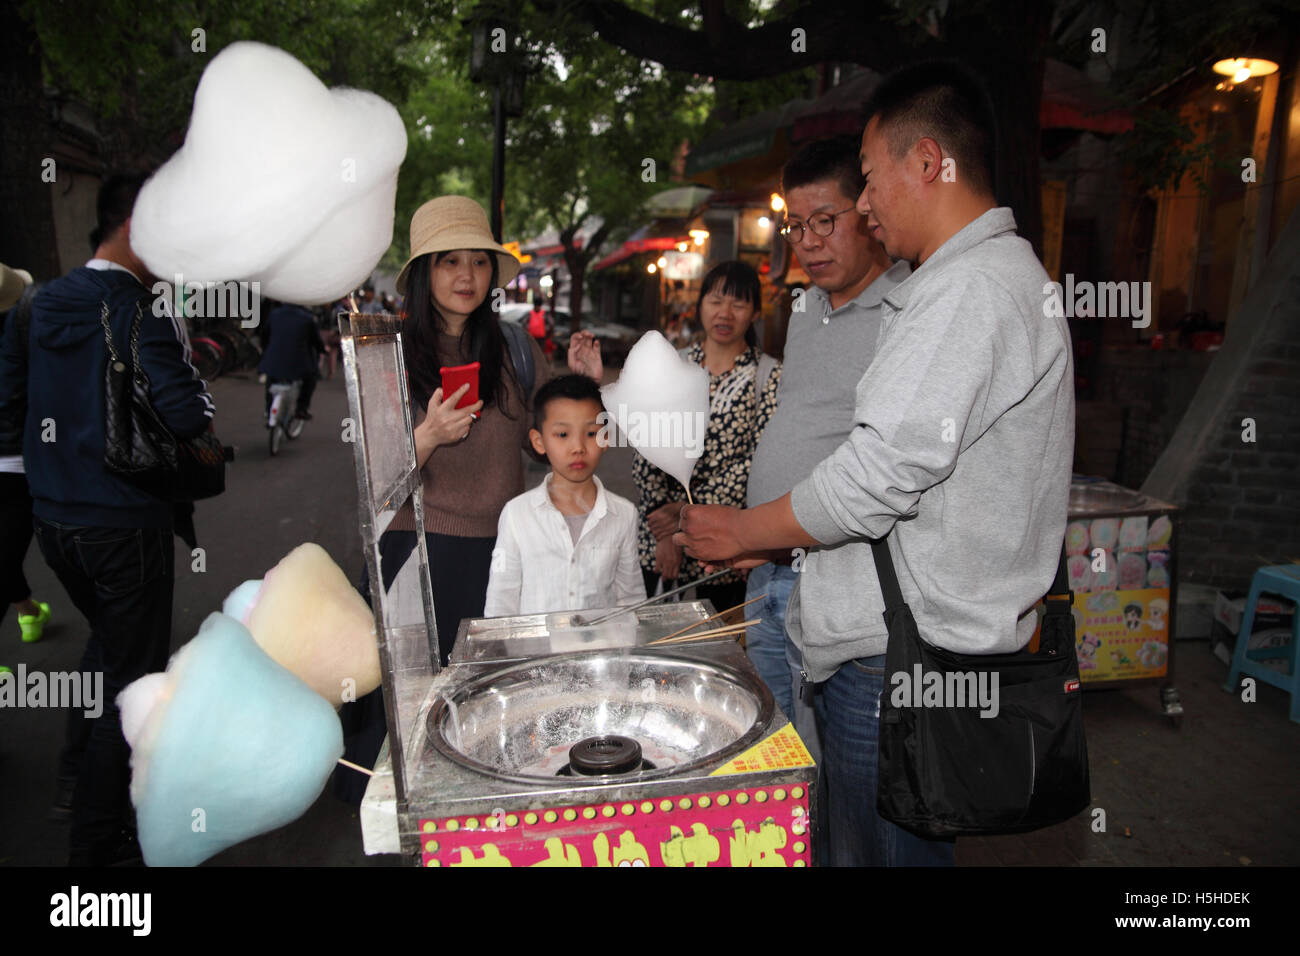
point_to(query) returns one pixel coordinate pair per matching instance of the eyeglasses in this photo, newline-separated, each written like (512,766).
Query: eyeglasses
(822,224)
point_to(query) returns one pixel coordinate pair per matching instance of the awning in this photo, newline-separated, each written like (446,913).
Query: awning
(677,203)
(745,139)
(645,240)
(1072,101)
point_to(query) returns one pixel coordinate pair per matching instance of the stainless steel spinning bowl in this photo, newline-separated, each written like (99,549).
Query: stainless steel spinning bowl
(519,722)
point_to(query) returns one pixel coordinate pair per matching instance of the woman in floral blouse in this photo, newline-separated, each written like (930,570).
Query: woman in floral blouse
(742,394)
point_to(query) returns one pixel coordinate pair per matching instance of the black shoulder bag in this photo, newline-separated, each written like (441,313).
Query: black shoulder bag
(945,770)
(138,446)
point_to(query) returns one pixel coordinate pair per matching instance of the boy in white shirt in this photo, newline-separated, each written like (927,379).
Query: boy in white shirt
(567,544)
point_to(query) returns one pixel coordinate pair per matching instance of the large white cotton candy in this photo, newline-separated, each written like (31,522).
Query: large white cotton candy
(661,405)
(280,181)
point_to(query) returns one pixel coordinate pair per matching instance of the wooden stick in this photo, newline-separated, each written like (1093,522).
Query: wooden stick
(712,617)
(356,767)
(689,499)
(728,631)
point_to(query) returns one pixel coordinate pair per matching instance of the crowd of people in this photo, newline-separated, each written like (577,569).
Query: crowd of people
(920,312)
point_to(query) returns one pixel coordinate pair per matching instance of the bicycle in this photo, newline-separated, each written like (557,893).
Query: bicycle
(281,421)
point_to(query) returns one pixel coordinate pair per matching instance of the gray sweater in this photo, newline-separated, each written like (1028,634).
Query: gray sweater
(962,447)
(826,352)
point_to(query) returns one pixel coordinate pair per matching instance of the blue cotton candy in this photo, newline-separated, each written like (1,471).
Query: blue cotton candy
(240,601)
(241,747)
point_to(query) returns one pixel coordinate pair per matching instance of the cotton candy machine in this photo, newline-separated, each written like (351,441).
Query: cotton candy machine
(604,713)
(548,742)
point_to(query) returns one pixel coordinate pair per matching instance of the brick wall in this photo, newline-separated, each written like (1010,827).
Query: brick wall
(1240,499)
(1154,388)
(1243,499)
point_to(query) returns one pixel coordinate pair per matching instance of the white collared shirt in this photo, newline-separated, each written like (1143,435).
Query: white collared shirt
(536,567)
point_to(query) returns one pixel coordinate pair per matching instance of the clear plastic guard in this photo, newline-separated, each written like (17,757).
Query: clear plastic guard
(388,482)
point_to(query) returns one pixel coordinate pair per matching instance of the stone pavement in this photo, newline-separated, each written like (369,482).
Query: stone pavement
(1222,789)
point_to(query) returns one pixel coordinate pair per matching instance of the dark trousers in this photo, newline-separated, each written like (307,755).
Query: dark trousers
(458,570)
(121,579)
(15,536)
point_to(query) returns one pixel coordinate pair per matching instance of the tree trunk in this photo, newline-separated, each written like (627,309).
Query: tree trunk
(576,260)
(1011,64)
(27,239)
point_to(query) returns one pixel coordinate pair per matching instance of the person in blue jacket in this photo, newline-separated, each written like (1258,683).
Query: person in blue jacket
(108,542)
(292,353)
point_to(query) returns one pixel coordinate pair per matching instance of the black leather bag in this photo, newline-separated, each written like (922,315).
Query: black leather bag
(946,771)
(138,446)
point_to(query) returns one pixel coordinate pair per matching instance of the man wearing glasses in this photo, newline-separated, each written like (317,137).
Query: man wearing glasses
(830,341)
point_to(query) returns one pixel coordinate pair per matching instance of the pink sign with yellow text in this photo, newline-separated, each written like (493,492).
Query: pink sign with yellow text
(753,826)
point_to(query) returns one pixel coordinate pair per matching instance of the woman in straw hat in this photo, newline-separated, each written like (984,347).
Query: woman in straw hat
(469,456)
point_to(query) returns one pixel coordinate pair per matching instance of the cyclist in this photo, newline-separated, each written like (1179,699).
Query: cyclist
(292,352)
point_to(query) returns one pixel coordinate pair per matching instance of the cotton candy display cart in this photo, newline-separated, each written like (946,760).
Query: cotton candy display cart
(547,742)
(1120,556)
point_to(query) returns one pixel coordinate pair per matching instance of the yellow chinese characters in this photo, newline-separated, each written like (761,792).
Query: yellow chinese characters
(757,847)
(559,853)
(699,849)
(491,857)
(627,853)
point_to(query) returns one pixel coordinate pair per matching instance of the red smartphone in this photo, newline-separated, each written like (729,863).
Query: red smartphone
(454,376)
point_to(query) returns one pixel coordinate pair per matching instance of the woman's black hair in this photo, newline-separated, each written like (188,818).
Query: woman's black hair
(481,340)
(738,280)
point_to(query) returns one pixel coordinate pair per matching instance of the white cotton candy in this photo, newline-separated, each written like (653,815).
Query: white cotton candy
(661,405)
(136,703)
(280,181)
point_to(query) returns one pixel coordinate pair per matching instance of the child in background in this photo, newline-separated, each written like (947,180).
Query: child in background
(567,544)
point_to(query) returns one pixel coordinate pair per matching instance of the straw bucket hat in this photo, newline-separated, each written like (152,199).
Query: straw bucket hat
(454,222)
(12,283)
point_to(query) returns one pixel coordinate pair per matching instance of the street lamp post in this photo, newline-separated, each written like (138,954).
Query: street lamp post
(492,59)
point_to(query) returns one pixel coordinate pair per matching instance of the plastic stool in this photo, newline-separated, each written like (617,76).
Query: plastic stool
(1284,580)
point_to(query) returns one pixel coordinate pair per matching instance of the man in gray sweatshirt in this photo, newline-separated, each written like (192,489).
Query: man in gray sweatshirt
(960,453)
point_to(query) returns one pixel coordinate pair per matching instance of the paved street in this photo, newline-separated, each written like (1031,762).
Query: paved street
(1219,791)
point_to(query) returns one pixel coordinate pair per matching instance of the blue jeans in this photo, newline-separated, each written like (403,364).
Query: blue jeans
(852,833)
(774,655)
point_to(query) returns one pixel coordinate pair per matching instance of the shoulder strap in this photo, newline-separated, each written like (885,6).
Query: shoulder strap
(766,363)
(885,573)
(521,357)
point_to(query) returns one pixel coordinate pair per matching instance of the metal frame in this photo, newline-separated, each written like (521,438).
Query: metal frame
(407,633)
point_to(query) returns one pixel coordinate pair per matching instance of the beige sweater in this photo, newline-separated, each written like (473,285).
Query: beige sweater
(468,483)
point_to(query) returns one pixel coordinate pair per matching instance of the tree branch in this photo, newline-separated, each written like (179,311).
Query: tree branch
(862,33)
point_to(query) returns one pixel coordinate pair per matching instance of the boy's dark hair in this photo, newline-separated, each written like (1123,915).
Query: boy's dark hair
(835,159)
(579,388)
(946,102)
(738,280)
(114,204)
